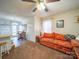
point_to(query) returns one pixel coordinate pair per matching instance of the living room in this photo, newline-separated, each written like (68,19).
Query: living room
(60,18)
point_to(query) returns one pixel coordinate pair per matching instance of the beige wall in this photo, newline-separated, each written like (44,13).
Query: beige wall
(70,27)
(37,25)
(69,17)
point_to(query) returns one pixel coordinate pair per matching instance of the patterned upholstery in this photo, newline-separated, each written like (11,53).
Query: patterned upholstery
(56,41)
(69,37)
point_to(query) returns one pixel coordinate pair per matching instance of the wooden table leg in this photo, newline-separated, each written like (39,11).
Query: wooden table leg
(0,53)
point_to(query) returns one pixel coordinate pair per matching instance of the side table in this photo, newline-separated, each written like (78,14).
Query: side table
(75,46)
(76,50)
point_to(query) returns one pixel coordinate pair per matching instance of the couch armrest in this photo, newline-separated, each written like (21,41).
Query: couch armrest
(75,43)
(38,38)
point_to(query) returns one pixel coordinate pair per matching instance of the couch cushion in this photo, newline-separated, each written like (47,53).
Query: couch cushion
(59,36)
(48,35)
(61,43)
(46,39)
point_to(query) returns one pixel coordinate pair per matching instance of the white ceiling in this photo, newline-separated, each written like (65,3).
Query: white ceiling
(17,7)
(60,6)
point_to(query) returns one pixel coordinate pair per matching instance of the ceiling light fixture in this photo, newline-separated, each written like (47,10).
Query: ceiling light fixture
(41,5)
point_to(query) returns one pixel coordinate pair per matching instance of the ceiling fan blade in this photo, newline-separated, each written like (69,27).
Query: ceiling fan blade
(49,1)
(46,9)
(29,1)
(34,9)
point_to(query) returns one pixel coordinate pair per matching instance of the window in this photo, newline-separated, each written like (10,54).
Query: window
(21,28)
(47,26)
(17,28)
(14,29)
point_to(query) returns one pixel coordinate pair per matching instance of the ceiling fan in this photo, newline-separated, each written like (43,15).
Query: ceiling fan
(40,4)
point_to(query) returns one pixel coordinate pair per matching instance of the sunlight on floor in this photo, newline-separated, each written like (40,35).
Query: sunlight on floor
(16,42)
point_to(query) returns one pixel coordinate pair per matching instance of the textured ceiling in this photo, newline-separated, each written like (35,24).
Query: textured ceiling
(18,7)
(59,7)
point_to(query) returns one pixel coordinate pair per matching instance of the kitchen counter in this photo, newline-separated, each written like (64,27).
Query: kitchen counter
(4,36)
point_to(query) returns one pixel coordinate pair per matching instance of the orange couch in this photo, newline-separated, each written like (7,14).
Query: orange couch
(55,41)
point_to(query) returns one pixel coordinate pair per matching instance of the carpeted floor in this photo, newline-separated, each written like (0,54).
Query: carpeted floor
(30,50)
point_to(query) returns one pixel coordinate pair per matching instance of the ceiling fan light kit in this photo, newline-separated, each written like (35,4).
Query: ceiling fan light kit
(40,4)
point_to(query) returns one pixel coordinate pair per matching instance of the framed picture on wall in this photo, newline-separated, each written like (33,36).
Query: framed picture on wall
(60,23)
(77,19)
